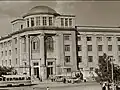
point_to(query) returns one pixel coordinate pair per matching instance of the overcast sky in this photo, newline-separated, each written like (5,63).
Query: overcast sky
(87,13)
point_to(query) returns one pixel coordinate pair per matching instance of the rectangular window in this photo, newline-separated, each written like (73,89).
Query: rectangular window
(109,47)
(66,21)
(79,38)
(100,58)
(109,38)
(44,21)
(1,53)
(9,52)
(68,69)
(27,22)
(70,21)
(118,38)
(50,63)
(67,47)
(5,53)
(79,48)
(67,59)
(37,21)
(35,64)
(89,38)
(32,22)
(15,39)
(99,47)
(10,61)
(99,38)
(6,62)
(1,45)
(79,59)
(62,21)
(118,47)
(50,21)
(89,47)
(16,61)
(90,58)
(66,37)
(16,50)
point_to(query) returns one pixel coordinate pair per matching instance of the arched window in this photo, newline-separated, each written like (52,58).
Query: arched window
(35,44)
(49,43)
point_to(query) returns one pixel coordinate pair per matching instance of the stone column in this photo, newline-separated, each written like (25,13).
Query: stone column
(115,49)
(42,55)
(95,51)
(85,51)
(57,53)
(105,46)
(62,52)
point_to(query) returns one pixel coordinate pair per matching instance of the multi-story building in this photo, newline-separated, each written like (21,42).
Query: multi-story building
(93,42)
(42,43)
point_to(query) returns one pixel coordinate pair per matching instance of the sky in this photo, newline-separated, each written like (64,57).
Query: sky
(94,13)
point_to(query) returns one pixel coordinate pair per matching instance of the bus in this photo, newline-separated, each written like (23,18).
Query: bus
(15,80)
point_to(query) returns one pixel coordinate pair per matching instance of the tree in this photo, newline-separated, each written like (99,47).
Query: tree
(104,71)
(4,70)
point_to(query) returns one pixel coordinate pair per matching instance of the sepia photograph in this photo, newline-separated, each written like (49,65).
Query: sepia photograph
(60,45)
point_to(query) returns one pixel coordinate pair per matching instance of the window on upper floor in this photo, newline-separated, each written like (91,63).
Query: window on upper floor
(44,21)
(118,38)
(100,47)
(89,38)
(79,59)
(66,37)
(15,39)
(1,45)
(16,50)
(21,26)
(37,21)
(6,62)
(67,59)
(35,64)
(9,52)
(35,44)
(118,47)
(90,58)
(32,22)
(109,38)
(62,21)
(91,68)
(100,59)
(66,21)
(68,69)
(28,23)
(109,47)
(10,61)
(50,21)
(67,47)
(89,47)
(99,39)
(70,21)
(79,38)
(2,62)
(79,48)
(49,43)
(16,61)
(1,53)
(119,58)
(50,63)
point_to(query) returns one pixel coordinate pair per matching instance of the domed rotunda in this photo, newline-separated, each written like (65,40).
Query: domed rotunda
(41,10)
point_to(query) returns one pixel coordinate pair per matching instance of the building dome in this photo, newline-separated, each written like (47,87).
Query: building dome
(41,10)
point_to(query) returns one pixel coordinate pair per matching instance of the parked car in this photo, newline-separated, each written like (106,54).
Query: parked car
(73,80)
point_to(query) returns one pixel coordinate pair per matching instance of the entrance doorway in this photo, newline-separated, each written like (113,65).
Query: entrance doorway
(49,71)
(36,71)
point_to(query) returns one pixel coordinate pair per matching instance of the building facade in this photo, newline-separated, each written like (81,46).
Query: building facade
(93,42)
(42,43)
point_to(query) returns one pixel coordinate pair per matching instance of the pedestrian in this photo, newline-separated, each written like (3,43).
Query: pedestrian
(48,88)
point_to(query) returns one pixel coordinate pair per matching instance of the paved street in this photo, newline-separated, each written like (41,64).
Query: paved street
(59,86)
